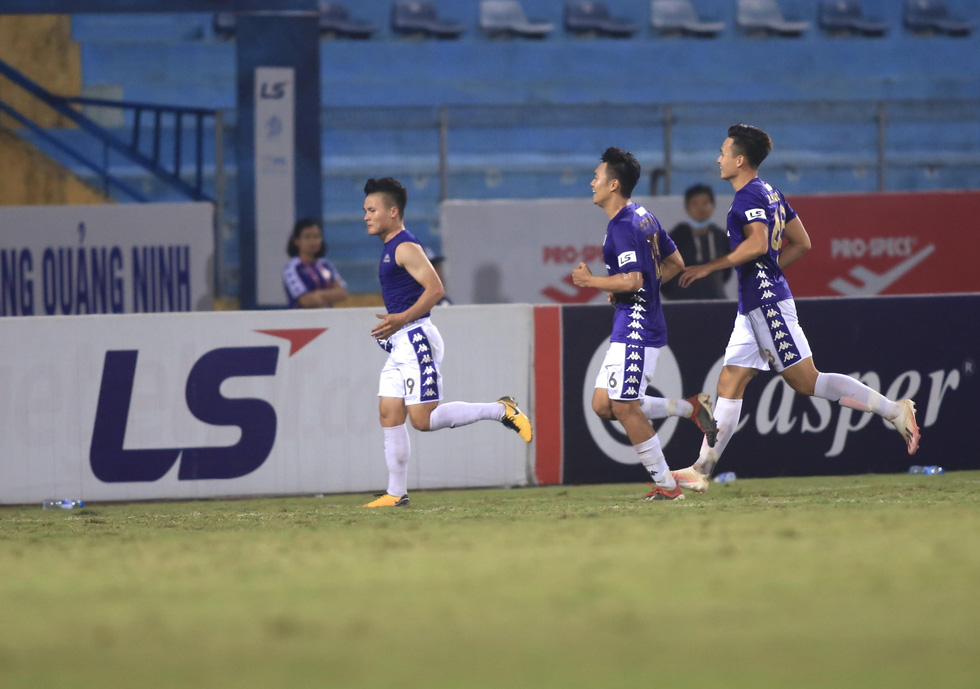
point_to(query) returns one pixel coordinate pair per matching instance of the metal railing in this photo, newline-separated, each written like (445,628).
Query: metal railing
(869,134)
(110,142)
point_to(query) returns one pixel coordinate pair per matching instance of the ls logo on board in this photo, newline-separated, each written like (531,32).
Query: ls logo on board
(275,90)
(256,418)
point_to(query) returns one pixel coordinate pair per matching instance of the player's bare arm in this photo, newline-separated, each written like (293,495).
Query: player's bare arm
(622,282)
(412,258)
(755,244)
(671,266)
(797,243)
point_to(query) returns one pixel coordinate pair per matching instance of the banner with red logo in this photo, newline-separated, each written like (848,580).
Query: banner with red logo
(867,244)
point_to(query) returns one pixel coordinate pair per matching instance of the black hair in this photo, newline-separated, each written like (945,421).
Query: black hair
(623,166)
(695,190)
(302,224)
(751,142)
(392,189)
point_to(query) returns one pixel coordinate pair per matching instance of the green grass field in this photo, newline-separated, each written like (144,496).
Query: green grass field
(863,581)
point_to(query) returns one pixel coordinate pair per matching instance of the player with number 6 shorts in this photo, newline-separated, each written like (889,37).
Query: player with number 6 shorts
(639,255)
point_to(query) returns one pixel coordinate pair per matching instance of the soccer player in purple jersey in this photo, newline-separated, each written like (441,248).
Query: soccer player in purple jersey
(411,382)
(639,256)
(767,331)
(311,281)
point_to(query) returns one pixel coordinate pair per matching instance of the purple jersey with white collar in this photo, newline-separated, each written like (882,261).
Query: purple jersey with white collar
(398,288)
(760,282)
(635,242)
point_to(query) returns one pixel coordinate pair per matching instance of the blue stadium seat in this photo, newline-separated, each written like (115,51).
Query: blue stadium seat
(583,17)
(507,18)
(335,21)
(847,17)
(678,17)
(764,17)
(931,17)
(413,18)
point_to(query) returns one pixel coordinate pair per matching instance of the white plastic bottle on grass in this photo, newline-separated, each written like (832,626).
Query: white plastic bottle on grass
(62,504)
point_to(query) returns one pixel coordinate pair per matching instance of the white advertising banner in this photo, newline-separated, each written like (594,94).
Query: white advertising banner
(275,172)
(524,251)
(136,407)
(113,258)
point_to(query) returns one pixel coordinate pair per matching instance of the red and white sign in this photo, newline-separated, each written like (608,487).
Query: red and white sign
(868,244)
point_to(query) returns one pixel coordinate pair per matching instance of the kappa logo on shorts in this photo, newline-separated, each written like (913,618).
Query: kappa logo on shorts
(430,382)
(785,347)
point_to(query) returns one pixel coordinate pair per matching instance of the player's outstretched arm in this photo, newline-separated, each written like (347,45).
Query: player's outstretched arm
(755,244)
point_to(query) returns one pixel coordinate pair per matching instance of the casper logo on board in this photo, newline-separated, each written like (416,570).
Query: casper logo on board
(256,418)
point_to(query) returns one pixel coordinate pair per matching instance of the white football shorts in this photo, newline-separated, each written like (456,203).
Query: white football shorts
(768,336)
(412,369)
(626,370)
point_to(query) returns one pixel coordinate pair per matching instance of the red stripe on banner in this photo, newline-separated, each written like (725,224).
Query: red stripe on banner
(547,395)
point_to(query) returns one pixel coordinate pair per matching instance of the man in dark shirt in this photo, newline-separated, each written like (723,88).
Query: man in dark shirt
(699,241)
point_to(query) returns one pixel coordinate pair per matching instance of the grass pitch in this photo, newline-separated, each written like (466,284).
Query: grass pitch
(866,581)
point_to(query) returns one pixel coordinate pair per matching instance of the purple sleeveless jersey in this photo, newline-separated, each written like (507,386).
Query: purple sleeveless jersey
(398,288)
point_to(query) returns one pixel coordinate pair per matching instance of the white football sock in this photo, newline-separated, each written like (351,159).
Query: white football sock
(652,457)
(726,416)
(661,408)
(398,447)
(854,394)
(453,414)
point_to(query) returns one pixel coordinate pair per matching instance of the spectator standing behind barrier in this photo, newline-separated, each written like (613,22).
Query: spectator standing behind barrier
(699,240)
(311,281)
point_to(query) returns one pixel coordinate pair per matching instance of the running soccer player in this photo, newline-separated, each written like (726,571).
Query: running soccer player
(411,382)
(638,256)
(767,332)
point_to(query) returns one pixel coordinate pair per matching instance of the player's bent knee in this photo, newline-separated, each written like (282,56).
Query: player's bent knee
(603,411)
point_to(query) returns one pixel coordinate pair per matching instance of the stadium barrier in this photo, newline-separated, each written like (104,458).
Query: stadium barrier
(863,245)
(143,258)
(151,406)
(919,347)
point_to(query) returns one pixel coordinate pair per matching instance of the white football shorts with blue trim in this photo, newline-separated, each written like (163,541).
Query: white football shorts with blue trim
(769,336)
(627,370)
(412,369)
